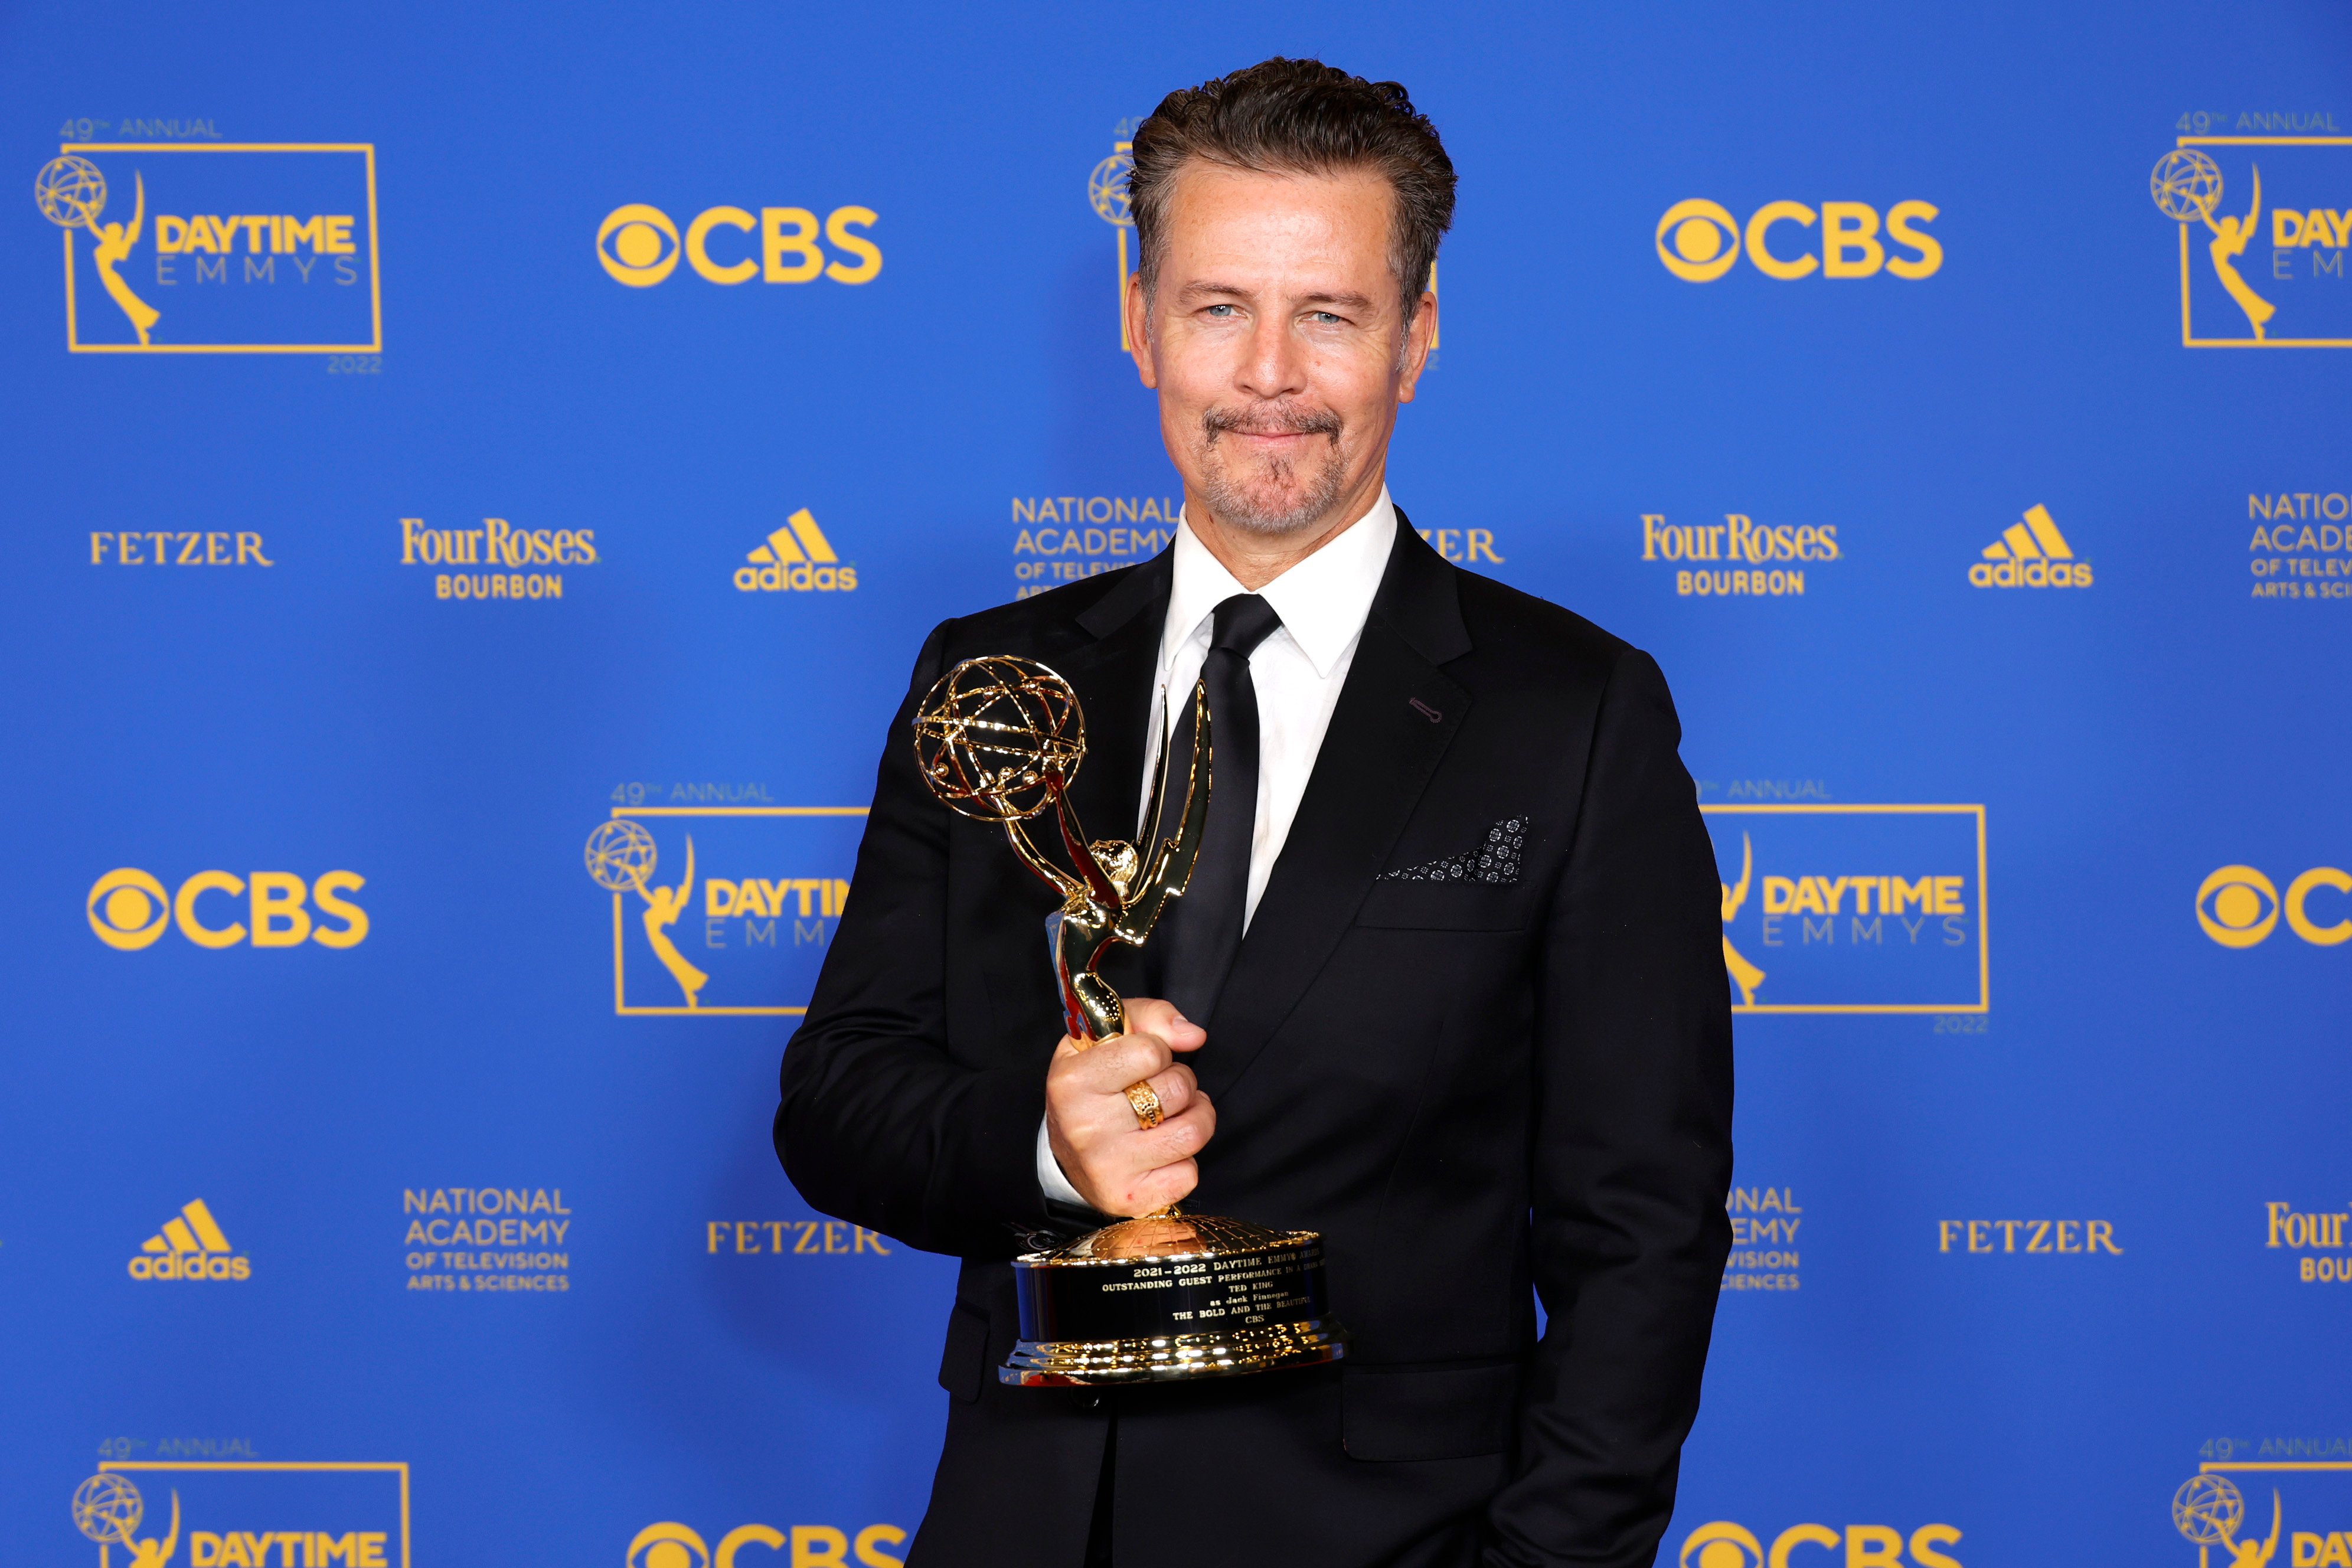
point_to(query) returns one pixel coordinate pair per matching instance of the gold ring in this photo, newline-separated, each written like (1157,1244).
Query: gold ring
(1146,1101)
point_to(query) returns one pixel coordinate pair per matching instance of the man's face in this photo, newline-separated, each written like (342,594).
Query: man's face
(1275,337)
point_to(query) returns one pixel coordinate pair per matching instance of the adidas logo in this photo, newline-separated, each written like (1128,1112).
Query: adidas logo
(191,1245)
(796,556)
(2031,555)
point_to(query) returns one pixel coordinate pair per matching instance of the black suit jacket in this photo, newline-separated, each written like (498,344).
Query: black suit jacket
(1470,1087)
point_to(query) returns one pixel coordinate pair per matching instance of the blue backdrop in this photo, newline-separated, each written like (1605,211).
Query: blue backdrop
(481,474)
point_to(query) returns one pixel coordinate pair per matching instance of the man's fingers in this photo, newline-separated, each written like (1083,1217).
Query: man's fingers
(1178,1137)
(1155,1190)
(1105,1127)
(1176,1089)
(1146,1191)
(1150,1015)
(1116,1062)
(1122,1167)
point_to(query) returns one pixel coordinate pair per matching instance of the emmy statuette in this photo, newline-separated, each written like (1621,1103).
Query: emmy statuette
(1169,1296)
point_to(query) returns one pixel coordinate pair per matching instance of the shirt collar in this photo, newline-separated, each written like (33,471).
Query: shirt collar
(1322,601)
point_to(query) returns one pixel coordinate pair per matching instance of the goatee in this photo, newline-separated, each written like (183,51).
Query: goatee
(1276,499)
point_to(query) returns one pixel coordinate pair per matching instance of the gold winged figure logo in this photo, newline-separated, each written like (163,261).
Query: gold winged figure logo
(1745,975)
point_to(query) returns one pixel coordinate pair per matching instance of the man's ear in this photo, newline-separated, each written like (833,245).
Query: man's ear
(1134,313)
(1412,356)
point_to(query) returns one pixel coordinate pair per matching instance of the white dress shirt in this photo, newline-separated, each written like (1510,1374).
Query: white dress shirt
(1298,670)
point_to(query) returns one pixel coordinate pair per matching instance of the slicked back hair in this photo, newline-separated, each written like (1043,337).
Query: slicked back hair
(1283,116)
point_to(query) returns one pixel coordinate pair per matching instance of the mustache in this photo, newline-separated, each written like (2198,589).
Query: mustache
(1272,420)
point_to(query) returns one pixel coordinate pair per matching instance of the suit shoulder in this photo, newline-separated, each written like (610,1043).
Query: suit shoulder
(1512,623)
(1021,624)
(1550,664)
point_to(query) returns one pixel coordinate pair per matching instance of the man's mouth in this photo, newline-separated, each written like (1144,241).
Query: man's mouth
(1270,432)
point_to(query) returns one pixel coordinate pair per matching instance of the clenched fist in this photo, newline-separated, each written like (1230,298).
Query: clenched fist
(1117,1165)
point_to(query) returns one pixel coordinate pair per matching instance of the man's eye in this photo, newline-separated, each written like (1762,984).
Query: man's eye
(1323,318)
(1221,310)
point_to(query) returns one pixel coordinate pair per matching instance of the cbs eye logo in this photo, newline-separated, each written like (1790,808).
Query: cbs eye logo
(639,246)
(672,1545)
(1704,243)
(668,1545)
(1699,240)
(1722,1544)
(128,909)
(2239,907)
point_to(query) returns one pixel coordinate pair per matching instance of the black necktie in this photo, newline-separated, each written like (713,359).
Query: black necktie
(1200,934)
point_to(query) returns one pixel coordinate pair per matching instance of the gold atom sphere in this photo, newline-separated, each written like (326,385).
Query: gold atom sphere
(997,736)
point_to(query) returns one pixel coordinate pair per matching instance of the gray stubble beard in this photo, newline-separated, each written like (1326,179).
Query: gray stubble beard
(1236,506)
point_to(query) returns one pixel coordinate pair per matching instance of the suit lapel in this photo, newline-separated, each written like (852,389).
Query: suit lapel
(1396,715)
(1112,674)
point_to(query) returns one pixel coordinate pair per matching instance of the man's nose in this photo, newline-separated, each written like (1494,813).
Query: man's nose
(1275,365)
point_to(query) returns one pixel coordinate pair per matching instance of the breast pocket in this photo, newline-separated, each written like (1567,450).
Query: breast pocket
(1444,906)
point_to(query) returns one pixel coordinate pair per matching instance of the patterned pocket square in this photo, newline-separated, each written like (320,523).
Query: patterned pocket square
(1496,861)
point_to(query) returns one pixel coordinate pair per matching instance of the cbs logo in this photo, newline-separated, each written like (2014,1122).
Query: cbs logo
(669,1545)
(639,245)
(1724,1544)
(1698,240)
(129,909)
(2238,906)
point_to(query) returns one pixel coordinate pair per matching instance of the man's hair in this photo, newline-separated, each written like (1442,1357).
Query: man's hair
(1302,117)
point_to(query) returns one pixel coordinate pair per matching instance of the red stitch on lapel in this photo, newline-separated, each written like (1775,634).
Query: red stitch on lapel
(1431,714)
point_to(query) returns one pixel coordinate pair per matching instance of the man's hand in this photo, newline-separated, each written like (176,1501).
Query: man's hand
(1116,1165)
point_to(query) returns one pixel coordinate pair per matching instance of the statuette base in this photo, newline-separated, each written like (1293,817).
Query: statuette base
(1172,1298)
(1084,1363)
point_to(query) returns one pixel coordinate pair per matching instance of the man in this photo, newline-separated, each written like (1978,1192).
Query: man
(1448,985)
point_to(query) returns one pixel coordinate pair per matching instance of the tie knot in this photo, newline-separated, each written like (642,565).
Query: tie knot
(1242,623)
